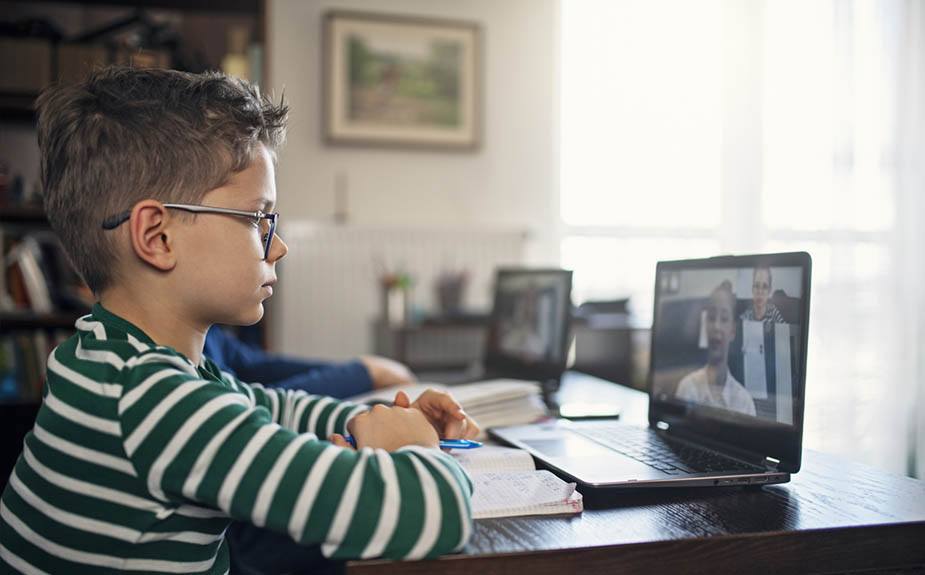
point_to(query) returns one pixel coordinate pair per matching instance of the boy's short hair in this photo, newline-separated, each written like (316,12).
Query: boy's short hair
(128,134)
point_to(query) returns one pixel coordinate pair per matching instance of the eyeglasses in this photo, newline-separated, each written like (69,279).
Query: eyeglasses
(258,218)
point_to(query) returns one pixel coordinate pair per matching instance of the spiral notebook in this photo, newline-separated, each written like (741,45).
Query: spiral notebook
(507,484)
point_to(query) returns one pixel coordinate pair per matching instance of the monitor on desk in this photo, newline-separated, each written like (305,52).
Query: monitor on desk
(529,326)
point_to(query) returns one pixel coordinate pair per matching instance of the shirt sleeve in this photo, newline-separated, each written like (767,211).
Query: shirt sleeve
(299,411)
(205,442)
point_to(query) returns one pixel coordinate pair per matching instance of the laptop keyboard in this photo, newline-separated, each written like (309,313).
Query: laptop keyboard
(671,457)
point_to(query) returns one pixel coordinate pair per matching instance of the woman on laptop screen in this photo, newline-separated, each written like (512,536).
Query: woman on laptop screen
(713,384)
(762,309)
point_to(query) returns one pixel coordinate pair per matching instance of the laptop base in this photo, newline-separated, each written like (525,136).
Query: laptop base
(604,474)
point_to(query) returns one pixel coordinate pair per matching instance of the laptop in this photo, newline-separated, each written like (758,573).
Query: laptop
(528,330)
(726,385)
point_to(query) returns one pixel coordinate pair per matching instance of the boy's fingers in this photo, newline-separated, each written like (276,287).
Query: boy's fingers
(450,403)
(338,440)
(472,429)
(452,430)
(460,429)
(466,428)
(402,399)
(444,402)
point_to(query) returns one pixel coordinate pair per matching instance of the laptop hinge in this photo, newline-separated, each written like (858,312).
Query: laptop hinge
(771,463)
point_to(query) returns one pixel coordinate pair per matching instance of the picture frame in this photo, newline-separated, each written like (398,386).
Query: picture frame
(400,81)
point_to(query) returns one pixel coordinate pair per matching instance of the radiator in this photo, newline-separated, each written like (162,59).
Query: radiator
(328,296)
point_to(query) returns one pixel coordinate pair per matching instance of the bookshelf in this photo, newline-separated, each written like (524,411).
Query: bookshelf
(26,337)
(69,35)
(20,320)
(30,215)
(18,108)
(39,305)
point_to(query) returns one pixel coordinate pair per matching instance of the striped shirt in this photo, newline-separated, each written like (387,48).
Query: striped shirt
(772,315)
(139,460)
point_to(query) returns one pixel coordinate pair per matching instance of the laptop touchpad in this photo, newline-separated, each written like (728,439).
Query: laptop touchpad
(567,446)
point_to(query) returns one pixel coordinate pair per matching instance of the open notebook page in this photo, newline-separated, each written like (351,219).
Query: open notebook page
(522,493)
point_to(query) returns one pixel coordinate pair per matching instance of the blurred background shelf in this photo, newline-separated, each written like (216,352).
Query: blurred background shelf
(238,6)
(23,214)
(17,320)
(17,107)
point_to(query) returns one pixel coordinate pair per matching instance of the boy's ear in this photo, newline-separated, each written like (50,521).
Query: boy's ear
(150,235)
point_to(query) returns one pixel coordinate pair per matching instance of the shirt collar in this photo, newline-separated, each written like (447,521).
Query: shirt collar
(109,318)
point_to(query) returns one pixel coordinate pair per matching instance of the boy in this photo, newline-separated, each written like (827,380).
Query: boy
(161,187)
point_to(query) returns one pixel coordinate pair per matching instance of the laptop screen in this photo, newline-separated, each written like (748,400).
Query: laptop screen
(529,324)
(729,348)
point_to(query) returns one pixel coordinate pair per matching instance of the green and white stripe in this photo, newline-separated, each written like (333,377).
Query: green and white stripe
(139,460)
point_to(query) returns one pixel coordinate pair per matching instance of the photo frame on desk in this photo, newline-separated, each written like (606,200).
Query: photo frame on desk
(399,81)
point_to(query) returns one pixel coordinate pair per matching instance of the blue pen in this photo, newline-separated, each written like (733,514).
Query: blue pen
(444,443)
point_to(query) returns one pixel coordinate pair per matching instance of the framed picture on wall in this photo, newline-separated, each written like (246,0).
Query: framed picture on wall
(401,81)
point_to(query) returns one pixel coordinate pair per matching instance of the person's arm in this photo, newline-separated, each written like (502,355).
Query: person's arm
(335,380)
(250,363)
(202,441)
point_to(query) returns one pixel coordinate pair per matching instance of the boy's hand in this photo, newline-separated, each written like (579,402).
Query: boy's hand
(443,412)
(385,372)
(390,428)
(340,441)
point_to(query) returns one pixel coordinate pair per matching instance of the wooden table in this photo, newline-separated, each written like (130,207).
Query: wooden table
(834,516)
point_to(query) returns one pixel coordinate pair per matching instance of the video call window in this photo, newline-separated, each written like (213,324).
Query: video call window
(728,339)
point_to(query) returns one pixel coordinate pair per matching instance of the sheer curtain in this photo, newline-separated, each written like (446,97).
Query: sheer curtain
(728,126)
(909,141)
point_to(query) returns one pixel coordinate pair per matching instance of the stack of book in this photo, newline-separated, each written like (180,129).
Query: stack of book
(492,403)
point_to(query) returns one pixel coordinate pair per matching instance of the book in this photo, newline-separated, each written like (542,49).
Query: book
(38,277)
(507,484)
(492,403)
(26,256)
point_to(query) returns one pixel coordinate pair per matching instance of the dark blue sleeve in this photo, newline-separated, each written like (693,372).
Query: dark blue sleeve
(252,364)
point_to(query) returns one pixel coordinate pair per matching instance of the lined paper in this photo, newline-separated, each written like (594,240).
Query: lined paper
(522,493)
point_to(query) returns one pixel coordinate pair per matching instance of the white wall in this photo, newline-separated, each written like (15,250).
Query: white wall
(510,181)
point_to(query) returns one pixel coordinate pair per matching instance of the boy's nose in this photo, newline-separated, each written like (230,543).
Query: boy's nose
(279,249)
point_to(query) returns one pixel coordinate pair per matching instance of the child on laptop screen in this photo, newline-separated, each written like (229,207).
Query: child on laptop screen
(161,187)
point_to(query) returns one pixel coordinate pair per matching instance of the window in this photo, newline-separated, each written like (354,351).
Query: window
(699,128)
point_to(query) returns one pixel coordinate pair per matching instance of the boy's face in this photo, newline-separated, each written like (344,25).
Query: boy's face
(222,272)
